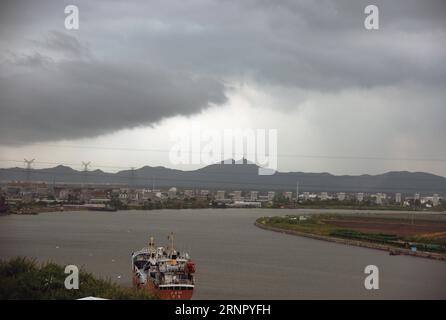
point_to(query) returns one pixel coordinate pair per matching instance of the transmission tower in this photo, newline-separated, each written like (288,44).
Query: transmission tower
(132,177)
(28,168)
(85,165)
(297,193)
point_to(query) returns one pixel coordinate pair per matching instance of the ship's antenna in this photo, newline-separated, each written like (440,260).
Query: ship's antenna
(151,244)
(170,237)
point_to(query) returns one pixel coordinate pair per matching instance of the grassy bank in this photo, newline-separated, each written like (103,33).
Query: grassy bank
(23,278)
(426,236)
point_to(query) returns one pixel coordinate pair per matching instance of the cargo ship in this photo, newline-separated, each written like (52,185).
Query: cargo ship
(164,272)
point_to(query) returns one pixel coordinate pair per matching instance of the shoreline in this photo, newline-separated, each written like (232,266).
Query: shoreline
(37,210)
(357,243)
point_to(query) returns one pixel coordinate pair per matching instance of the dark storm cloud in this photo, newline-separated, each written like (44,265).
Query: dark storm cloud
(134,63)
(83,99)
(312,45)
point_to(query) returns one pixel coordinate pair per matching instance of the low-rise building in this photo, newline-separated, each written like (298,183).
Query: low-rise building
(220,195)
(237,196)
(435,200)
(271,195)
(380,198)
(189,194)
(204,194)
(288,195)
(172,193)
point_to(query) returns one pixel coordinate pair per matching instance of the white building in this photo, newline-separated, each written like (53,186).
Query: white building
(288,195)
(341,196)
(398,198)
(254,195)
(204,194)
(148,194)
(306,196)
(237,196)
(379,198)
(360,196)
(172,193)
(435,200)
(189,194)
(324,196)
(64,194)
(220,195)
(271,195)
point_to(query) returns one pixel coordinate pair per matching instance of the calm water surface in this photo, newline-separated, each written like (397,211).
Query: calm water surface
(235,259)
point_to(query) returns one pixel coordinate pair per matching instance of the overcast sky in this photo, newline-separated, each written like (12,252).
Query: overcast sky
(344,99)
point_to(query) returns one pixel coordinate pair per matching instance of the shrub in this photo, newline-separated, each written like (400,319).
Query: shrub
(24,278)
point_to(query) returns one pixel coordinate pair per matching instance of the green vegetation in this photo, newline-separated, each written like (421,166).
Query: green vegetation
(325,225)
(280,201)
(312,225)
(23,278)
(354,205)
(357,235)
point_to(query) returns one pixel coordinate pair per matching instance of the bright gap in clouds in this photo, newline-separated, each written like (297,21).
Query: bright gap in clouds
(367,131)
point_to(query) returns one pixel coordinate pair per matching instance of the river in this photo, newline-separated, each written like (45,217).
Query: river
(235,259)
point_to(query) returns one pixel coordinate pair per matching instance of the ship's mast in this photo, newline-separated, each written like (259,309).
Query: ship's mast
(171,238)
(151,245)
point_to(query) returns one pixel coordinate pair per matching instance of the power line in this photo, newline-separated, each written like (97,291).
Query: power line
(309,156)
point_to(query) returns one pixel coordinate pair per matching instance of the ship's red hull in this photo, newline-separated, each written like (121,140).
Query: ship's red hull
(166,293)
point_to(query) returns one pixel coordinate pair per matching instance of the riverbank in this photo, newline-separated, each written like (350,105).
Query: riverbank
(313,233)
(33,210)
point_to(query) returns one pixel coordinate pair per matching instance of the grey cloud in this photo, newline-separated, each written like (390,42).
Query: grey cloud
(317,46)
(146,61)
(34,60)
(65,44)
(75,99)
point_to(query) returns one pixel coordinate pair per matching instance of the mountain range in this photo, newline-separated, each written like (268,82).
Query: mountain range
(237,176)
